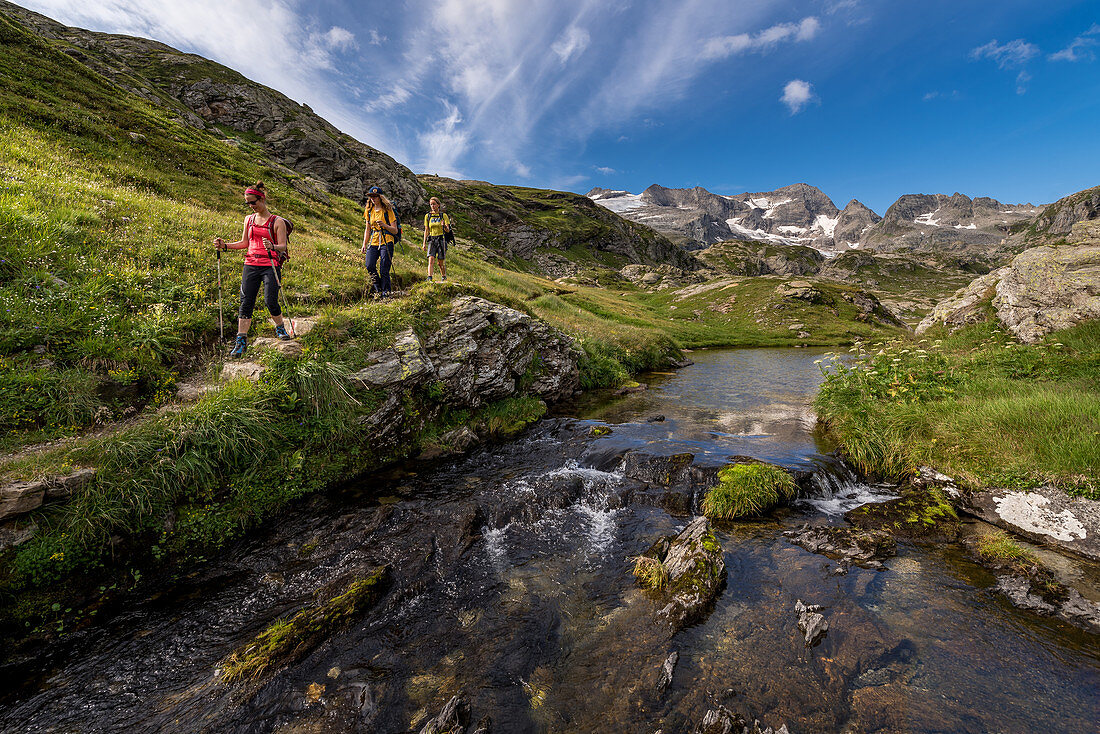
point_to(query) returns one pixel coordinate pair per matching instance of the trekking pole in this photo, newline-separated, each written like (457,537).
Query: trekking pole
(278,282)
(221,311)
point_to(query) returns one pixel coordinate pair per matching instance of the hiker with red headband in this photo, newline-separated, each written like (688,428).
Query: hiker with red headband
(265,239)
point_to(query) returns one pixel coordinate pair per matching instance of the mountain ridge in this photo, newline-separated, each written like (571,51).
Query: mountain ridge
(801,214)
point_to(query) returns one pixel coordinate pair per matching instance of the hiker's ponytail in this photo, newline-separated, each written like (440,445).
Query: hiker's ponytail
(257,189)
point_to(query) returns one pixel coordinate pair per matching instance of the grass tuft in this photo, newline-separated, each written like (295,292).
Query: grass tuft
(747,489)
(650,573)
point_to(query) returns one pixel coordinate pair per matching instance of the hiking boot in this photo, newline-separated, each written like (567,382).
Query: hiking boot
(444,278)
(239,347)
(280,331)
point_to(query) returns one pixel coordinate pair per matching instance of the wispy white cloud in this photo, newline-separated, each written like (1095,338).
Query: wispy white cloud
(1080,48)
(723,47)
(605,170)
(445,143)
(376,38)
(239,35)
(1008,55)
(797,94)
(573,42)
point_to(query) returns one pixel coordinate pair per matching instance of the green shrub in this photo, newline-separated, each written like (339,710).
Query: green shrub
(747,489)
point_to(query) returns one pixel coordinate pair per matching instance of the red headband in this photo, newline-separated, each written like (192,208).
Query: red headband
(256,192)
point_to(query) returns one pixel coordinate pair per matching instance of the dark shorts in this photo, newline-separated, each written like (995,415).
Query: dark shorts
(437,247)
(253,277)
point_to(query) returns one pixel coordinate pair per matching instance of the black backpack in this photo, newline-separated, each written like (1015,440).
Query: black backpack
(386,215)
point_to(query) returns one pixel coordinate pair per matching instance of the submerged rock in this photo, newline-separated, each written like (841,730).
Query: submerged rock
(812,623)
(720,721)
(669,666)
(866,548)
(921,513)
(453,719)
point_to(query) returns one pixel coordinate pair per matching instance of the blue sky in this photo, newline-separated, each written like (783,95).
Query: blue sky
(864,99)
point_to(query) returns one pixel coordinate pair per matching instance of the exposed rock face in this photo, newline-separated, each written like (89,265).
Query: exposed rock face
(205,94)
(939,223)
(799,214)
(1045,514)
(19,498)
(855,220)
(802,290)
(1073,607)
(1043,289)
(452,719)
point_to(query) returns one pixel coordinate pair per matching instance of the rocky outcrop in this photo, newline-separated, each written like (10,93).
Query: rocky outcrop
(1043,289)
(696,573)
(1045,514)
(735,257)
(207,95)
(922,512)
(19,498)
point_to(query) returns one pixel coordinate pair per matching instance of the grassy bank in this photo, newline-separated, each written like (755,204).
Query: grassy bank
(975,404)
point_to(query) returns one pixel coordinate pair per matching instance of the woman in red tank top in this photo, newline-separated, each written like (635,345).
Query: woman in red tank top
(264,234)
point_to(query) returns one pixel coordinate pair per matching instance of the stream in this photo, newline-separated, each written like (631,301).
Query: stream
(512,584)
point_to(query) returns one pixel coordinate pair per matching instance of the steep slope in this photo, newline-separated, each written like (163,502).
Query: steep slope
(1056,221)
(853,222)
(208,96)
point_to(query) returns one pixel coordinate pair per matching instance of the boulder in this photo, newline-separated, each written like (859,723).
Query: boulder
(14,533)
(242,371)
(286,347)
(482,351)
(922,512)
(802,290)
(696,574)
(1043,289)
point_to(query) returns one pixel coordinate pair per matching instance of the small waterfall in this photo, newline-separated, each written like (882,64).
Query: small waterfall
(571,503)
(837,488)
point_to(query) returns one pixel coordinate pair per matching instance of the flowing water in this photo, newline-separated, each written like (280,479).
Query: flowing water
(512,585)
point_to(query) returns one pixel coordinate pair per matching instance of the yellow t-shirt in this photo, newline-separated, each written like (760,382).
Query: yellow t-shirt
(433,223)
(378,215)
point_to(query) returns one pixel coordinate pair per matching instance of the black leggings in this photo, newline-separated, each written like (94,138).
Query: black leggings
(251,279)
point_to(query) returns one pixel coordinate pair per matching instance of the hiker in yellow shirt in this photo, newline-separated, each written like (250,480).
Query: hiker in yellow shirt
(436,226)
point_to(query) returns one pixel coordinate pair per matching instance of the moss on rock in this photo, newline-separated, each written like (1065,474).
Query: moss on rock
(288,640)
(919,513)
